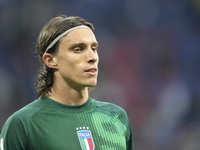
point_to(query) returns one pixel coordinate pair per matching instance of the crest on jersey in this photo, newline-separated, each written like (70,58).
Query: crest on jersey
(85,138)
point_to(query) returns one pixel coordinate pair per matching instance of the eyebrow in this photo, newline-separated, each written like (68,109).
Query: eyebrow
(82,44)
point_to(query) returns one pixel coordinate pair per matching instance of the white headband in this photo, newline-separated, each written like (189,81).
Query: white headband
(63,34)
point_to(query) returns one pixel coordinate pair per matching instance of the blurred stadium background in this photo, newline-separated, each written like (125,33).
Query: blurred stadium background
(149,62)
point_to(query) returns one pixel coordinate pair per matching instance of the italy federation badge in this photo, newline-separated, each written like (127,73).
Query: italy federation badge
(85,138)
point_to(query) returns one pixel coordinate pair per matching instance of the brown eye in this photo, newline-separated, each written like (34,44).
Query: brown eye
(94,49)
(78,49)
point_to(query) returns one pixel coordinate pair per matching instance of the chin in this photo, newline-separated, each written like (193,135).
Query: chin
(91,85)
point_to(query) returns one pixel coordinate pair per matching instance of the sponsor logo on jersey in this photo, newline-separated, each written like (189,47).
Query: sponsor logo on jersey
(85,138)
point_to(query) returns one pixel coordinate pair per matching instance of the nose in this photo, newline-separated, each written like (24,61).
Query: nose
(92,56)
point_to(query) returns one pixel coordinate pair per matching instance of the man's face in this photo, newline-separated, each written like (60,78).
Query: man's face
(77,59)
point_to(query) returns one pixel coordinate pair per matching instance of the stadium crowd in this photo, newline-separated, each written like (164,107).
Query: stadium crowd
(149,62)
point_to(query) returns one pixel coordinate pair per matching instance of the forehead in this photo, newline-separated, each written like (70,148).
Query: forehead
(79,35)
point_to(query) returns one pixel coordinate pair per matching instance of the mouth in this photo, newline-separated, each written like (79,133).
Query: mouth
(92,71)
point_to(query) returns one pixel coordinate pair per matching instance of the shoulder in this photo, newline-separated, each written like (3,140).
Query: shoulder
(108,106)
(22,116)
(113,108)
(15,130)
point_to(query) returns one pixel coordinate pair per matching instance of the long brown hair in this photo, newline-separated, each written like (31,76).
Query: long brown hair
(50,31)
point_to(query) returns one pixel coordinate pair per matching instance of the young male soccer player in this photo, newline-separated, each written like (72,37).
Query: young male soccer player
(64,117)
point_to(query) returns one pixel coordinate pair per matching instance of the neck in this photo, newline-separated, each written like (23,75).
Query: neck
(68,95)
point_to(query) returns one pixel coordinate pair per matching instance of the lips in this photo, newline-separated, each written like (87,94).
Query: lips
(92,71)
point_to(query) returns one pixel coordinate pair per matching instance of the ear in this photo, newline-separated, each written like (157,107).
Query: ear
(50,60)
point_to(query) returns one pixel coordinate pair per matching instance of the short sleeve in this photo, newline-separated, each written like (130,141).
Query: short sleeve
(13,135)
